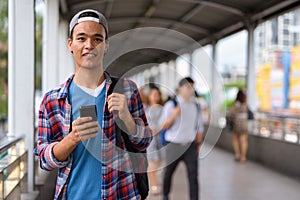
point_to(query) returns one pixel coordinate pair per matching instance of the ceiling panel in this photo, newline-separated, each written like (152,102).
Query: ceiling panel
(201,20)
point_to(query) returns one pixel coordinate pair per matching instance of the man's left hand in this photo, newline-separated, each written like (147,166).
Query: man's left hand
(118,102)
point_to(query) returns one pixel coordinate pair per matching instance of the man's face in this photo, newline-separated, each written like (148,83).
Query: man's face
(88,44)
(187,90)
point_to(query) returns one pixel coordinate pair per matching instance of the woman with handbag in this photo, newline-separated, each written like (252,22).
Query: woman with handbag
(239,115)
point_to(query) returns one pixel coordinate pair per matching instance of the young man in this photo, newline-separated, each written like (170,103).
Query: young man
(83,150)
(184,125)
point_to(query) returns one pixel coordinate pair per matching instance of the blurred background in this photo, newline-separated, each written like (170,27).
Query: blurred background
(253,45)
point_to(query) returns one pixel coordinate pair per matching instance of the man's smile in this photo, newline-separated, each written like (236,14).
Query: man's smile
(89,55)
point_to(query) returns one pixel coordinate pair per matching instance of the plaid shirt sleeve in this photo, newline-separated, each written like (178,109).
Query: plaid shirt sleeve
(143,136)
(46,138)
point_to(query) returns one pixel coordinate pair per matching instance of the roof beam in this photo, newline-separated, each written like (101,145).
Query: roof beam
(187,16)
(108,8)
(85,4)
(223,7)
(273,9)
(148,13)
(151,9)
(220,6)
(229,30)
(161,20)
(64,6)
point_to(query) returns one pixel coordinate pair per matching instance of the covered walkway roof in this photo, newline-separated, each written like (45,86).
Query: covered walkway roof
(205,21)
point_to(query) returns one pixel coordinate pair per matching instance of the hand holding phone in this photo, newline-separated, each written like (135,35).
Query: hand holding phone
(83,127)
(89,111)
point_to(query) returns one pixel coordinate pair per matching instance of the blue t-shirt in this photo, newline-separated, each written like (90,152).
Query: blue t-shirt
(85,179)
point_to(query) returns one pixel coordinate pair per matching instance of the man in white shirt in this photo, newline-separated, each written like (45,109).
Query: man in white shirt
(183,121)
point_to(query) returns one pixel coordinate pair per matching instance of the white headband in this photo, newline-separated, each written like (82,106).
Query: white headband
(82,19)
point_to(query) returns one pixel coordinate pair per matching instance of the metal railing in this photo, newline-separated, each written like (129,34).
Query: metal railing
(283,126)
(13,167)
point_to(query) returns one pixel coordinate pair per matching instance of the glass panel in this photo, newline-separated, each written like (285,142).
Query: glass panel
(23,165)
(13,167)
(277,64)
(13,177)
(231,65)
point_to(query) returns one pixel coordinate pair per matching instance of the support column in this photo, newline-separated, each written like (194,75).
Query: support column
(213,57)
(50,77)
(251,84)
(173,76)
(163,77)
(65,64)
(214,73)
(217,112)
(21,76)
(217,91)
(190,63)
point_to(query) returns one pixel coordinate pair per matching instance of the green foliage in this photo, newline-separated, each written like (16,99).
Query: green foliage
(38,50)
(3,55)
(3,101)
(240,85)
(229,102)
(3,20)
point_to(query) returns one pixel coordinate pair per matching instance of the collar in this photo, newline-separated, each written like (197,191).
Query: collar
(63,92)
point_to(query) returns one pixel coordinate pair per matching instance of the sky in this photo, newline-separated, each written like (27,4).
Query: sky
(40,6)
(232,50)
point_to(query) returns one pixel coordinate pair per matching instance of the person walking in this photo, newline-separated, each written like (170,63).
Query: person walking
(184,127)
(238,114)
(153,113)
(83,149)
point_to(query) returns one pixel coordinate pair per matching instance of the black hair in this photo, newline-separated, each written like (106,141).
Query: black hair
(241,96)
(85,14)
(185,81)
(88,14)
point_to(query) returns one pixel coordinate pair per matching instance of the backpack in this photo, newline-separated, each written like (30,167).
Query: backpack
(163,132)
(138,158)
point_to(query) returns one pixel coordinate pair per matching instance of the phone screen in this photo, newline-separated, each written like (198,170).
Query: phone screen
(89,111)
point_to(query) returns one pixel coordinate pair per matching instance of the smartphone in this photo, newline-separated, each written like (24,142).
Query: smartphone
(89,111)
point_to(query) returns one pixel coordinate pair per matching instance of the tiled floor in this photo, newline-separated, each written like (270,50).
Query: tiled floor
(223,179)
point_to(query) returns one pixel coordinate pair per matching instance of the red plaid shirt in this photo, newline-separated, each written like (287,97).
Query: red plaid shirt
(118,181)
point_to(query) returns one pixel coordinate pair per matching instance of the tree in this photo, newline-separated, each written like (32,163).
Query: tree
(3,56)
(38,50)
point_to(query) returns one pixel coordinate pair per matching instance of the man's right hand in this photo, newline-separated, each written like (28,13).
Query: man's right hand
(84,128)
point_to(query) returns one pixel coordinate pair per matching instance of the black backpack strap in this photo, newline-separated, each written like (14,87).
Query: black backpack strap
(117,86)
(175,102)
(138,158)
(120,128)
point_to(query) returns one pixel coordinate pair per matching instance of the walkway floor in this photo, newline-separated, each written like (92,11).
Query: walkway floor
(221,178)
